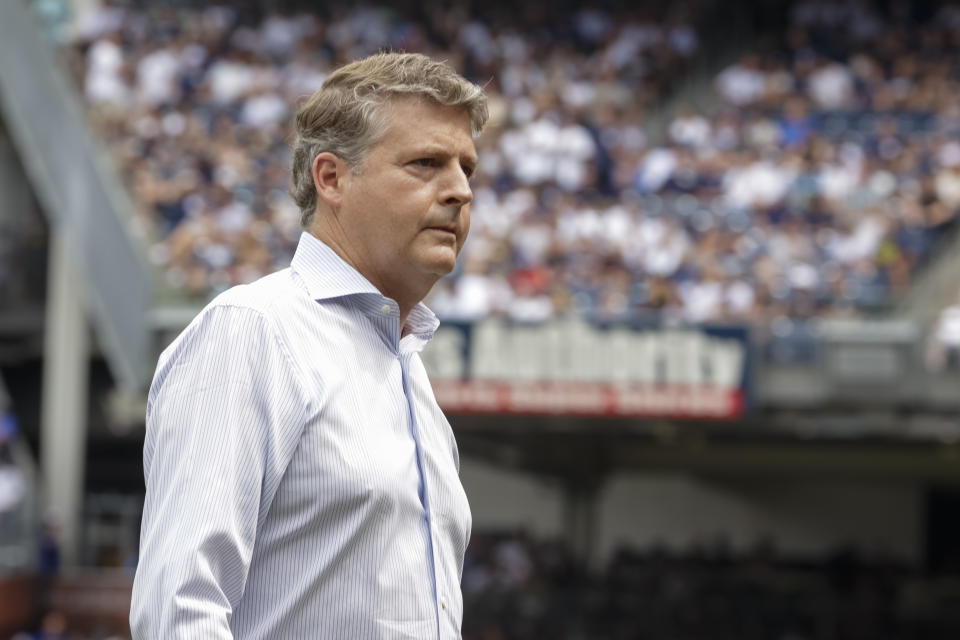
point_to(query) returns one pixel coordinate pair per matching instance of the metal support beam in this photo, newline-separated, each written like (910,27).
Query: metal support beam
(579,516)
(66,373)
(79,191)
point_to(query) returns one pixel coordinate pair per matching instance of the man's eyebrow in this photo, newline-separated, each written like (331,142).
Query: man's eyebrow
(439,151)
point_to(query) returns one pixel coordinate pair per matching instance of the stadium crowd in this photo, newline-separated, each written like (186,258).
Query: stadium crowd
(518,588)
(817,184)
(195,107)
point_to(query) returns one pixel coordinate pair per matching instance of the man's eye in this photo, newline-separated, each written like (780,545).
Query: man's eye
(468,171)
(425,162)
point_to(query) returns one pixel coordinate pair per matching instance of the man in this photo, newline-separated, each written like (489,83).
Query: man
(301,480)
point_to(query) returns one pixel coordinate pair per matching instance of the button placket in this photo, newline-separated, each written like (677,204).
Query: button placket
(405,359)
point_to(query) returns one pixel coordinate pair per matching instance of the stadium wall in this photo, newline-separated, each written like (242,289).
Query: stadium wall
(507,499)
(802,517)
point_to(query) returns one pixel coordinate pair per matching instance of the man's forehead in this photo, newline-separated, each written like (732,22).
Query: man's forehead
(422,120)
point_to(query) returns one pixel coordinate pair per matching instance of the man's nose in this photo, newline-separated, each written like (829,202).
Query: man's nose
(456,188)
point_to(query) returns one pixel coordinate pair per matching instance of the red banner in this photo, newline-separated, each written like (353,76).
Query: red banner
(588,399)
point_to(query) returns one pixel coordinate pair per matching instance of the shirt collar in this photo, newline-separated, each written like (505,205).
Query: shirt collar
(327,275)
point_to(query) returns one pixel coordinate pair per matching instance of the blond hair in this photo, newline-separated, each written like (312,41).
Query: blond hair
(344,116)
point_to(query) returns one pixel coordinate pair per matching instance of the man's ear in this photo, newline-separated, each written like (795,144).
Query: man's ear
(329,173)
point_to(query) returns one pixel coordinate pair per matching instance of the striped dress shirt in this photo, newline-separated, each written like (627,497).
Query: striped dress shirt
(301,480)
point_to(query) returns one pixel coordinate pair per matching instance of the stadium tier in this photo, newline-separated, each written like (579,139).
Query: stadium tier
(818,181)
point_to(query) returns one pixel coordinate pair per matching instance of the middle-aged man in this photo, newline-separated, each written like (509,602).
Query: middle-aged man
(301,480)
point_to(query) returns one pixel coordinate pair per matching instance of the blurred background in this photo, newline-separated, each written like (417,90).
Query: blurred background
(701,352)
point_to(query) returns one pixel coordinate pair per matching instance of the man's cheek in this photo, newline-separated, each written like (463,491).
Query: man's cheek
(466,228)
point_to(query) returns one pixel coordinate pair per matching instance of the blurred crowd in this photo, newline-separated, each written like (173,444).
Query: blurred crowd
(195,107)
(12,490)
(518,588)
(817,183)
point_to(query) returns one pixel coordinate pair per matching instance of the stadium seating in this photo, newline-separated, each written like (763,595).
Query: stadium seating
(818,184)
(519,587)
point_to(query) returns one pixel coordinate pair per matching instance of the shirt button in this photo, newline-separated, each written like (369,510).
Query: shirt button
(443,603)
(385,309)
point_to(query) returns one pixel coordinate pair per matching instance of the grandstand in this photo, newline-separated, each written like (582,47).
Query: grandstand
(701,352)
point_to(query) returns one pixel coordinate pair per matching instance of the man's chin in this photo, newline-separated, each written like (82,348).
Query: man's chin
(441,261)
(441,269)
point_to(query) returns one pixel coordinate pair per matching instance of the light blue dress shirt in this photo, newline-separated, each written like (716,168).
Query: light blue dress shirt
(301,480)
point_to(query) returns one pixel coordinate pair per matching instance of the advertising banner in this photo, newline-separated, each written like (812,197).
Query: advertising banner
(570,367)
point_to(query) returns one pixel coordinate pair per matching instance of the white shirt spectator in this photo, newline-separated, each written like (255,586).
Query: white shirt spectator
(831,86)
(104,82)
(234,218)
(691,129)
(949,154)
(533,309)
(531,242)
(665,257)
(12,487)
(837,181)
(617,226)
(740,84)
(859,244)
(803,276)
(229,80)
(740,297)
(947,186)
(701,300)
(944,338)
(762,133)
(658,166)
(947,331)
(157,76)
(264,110)
(579,94)
(473,297)
(759,184)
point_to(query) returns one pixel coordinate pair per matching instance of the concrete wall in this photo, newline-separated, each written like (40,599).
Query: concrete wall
(17,198)
(503,499)
(22,233)
(804,517)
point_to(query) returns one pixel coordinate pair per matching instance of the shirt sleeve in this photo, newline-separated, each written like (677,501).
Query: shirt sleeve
(225,414)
